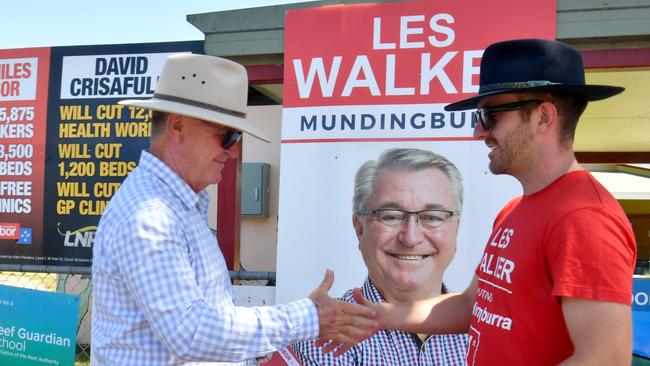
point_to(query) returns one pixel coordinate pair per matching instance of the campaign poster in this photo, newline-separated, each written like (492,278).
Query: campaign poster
(93,143)
(360,79)
(24,76)
(66,145)
(37,327)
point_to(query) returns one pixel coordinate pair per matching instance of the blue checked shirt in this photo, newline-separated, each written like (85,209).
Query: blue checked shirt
(389,347)
(162,293)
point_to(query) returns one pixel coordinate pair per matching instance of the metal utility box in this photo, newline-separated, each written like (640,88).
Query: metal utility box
(255,189)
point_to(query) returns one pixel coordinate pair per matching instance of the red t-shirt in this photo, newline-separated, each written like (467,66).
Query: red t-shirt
(570,239)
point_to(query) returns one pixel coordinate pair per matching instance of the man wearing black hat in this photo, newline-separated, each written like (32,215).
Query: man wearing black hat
(555,280)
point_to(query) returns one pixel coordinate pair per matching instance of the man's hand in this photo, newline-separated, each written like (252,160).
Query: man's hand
(342,323)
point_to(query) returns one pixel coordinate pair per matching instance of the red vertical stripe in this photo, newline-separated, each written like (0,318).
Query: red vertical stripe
(228,207)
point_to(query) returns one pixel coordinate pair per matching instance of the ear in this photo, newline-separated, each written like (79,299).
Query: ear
(175,126)
(357,223)
(548,118)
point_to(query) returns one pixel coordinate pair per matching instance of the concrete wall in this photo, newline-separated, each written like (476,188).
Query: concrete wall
(258,240)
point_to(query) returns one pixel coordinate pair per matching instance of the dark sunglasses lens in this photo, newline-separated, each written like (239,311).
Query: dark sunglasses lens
(482,116)
(230,138)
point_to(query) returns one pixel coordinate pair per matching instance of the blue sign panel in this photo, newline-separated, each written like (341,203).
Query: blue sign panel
(641,316)
(37,327)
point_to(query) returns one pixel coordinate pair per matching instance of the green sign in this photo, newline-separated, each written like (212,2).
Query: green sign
(37,327)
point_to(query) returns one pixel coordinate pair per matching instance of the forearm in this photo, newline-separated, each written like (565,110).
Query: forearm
(239,333)
(449,313)
(196,320)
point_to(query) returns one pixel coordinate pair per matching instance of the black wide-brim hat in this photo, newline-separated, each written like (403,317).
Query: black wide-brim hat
(533,65)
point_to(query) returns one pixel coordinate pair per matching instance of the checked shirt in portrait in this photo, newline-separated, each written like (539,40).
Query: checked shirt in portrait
(389,347)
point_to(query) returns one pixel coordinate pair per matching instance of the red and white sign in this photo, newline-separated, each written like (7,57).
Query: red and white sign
(23,117)
(18,78)
(283,357)
(359,79)
(9,230)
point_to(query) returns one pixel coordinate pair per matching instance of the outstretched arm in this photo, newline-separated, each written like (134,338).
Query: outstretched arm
(445,314)
(450,313)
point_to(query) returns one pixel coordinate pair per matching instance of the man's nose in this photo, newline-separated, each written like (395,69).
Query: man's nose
(411,233)
(479,132)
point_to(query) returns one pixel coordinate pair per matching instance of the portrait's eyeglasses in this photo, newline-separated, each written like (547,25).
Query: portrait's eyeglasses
(485,115)
(230,138)
(428,219)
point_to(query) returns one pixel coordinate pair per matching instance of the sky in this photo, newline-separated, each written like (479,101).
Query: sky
(47,23)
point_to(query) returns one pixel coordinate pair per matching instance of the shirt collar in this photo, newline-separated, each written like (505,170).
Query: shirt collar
(371,292)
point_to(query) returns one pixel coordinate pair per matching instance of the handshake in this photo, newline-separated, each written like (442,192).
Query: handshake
(343,324)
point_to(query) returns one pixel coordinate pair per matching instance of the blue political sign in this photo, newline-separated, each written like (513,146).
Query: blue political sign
(641,316)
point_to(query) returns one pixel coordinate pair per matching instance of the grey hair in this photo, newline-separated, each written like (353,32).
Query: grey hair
(158,119)
(402,158)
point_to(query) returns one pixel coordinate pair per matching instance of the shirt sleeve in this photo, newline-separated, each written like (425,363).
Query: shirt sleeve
(155,265)
(591,255)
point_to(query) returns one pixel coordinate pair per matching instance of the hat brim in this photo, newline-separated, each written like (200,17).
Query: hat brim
(234,122)
(590,92)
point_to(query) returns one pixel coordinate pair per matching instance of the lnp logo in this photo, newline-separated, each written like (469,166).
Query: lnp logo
(9,230)
(83,237)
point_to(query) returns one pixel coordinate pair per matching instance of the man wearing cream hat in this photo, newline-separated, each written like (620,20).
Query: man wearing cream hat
(162,293)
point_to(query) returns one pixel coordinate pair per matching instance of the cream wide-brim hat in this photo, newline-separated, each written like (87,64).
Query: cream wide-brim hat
(209,88)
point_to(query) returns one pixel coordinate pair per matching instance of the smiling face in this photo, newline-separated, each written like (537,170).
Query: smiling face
(407,262)
(509,139)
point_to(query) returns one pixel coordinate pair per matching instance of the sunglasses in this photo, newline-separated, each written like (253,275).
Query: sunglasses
(230,138)
(485,115)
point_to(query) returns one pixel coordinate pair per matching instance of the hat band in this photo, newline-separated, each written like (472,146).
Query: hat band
(195,103)
(515,85)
